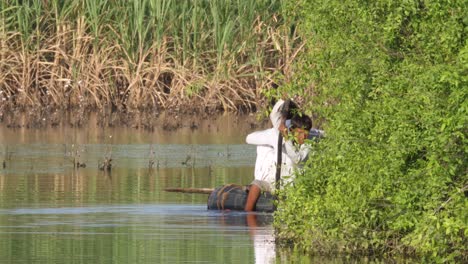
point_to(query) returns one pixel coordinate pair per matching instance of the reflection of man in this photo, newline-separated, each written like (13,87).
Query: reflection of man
(293,150)
(263,240)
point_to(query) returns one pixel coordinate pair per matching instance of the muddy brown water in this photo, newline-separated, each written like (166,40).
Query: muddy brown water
(52,210)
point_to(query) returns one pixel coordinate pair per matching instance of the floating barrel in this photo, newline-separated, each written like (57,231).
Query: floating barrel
(234,197)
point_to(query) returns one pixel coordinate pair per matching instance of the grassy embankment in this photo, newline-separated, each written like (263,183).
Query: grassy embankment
(391,80)
(149,54)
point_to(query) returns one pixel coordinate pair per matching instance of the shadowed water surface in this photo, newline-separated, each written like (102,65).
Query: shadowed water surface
(52,212)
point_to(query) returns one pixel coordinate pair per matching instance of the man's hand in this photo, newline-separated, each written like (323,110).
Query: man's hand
(282,128)
(300,135)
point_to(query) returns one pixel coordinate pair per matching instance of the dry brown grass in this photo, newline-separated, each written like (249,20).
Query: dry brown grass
(63,65)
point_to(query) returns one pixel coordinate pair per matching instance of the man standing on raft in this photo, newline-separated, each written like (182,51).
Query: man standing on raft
(289,149)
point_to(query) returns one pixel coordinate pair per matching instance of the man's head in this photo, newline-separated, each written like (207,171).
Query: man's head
(299,127)
(301,121)
(289,109)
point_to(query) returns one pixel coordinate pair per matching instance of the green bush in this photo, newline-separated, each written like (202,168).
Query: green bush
(390,80)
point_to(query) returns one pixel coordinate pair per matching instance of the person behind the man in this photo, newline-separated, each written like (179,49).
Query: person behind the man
(294,151)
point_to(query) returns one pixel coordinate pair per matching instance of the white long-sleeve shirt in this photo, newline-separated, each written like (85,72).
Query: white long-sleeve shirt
(266,142)
(275,115)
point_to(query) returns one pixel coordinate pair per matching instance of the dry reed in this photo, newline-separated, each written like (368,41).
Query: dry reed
(152,54)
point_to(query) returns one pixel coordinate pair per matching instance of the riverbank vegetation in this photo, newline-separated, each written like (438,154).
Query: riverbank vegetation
(387,79)
(142,55)
(390,78)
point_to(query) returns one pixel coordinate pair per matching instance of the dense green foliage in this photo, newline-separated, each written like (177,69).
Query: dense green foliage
(390,79)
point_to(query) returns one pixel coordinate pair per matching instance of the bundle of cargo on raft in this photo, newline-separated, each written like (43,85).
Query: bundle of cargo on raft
(230,197)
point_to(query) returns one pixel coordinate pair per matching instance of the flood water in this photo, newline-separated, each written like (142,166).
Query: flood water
(52,212)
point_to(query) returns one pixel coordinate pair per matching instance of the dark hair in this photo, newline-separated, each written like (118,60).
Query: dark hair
(289,109)
(301,121)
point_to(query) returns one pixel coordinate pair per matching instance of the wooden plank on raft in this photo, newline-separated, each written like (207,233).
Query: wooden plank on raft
(190,190)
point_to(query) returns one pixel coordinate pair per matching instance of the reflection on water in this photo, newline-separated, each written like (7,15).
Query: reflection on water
(51,212)
(37,158)
(130,234)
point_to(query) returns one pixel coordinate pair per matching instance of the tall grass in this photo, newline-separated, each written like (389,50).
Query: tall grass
(141,54)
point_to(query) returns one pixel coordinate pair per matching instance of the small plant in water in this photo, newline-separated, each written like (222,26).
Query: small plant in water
(186,161)
(6,157)
(106,165)
(75,157)
(151,159)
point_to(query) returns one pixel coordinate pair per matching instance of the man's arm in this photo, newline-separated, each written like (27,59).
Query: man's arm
(296,154)
(266,137)
(275,115)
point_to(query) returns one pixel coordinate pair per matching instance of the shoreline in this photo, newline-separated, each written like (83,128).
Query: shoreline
(145,119)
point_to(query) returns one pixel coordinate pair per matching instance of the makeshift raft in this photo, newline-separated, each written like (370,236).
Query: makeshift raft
(231,197)
(234,197)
